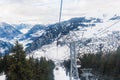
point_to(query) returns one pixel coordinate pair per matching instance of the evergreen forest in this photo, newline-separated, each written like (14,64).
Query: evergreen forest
(17,67)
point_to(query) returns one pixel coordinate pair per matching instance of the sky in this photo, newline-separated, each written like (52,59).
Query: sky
(47,11)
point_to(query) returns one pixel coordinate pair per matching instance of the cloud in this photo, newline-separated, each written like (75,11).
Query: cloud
(16,11)
(47,11)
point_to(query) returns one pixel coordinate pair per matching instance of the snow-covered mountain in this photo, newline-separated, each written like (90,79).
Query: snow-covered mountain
(35,31)
(5,47)
(24,28)
(55,31)
(7,35)
(8,31)
(93,31)
(97,34)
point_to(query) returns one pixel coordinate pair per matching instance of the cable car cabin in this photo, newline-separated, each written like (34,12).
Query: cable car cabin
(56,68)
(78,63)
(58,64)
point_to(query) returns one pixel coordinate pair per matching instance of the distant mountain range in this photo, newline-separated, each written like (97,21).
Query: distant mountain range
(36,36)
(8,31)
(5,47)
(52,32)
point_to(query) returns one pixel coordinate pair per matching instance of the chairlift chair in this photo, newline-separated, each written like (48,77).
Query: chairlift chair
(78,63)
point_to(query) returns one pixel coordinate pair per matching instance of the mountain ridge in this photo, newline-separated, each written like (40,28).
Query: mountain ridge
(40,35)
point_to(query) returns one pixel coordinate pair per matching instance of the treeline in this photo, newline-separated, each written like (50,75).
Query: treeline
(17,67)
(103,63)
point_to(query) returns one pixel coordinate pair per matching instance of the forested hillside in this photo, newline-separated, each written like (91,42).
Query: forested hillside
(17,67)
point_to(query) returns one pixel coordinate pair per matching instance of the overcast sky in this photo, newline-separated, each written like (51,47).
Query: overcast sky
(47,11)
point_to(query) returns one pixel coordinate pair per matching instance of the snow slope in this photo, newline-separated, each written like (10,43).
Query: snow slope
(52,51)
(60,74)
(102,29)
(24,28)
(2,77)
(102,33)
(57,54)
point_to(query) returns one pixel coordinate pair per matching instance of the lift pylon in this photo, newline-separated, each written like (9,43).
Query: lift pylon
(73,66)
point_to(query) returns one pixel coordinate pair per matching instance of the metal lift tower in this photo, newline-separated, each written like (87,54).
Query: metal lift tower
(73,66)
(73,54)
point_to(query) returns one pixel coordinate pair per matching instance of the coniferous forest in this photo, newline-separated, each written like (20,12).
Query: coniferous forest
(17,67)
(106,66)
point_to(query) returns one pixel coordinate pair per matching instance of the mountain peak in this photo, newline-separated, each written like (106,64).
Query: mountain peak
(115,17)
(2,24)
(8,31)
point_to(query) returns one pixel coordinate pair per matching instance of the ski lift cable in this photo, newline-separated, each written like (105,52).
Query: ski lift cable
(110,26)
(104,31)
(101,32)
(60,15)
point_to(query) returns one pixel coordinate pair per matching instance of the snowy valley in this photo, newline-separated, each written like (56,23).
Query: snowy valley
(41,40)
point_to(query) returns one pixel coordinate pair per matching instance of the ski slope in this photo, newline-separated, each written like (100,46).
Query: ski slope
(57,54)
(60,74)
(2,77)
(52,51)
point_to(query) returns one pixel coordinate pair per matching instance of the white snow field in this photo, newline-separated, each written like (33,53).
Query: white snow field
(60,74)
(2,77)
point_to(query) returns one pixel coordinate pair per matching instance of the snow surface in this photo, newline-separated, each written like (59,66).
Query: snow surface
(26,28)
(100,30)
(24,31)
(60,74)
(57,54)
(38,33)
(60,53)
(2,77)
(52,52)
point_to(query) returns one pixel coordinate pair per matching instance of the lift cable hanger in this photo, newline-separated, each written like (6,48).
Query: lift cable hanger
(59,21)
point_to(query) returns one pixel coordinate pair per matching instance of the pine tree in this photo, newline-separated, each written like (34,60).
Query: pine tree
(44,69)
(19,68)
